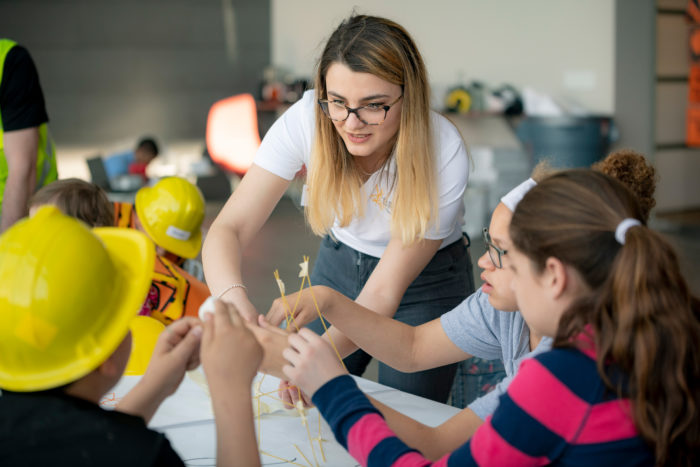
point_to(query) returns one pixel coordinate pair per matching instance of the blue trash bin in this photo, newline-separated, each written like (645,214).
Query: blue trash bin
(566,141)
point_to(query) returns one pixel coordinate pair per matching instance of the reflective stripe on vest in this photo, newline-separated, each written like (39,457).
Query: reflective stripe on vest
(46,154)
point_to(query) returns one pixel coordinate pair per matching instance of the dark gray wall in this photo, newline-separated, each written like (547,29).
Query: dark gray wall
(113,70)
(635,73)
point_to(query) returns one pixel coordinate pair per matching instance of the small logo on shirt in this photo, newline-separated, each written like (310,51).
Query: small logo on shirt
(380,199)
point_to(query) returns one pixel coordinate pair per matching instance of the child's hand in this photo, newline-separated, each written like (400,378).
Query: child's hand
(229,350)
(176,351)
(312,361)
(231,355)
(274,341)
(289,395)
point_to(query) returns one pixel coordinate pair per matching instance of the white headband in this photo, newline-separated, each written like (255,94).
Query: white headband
(514,196)
(623,227)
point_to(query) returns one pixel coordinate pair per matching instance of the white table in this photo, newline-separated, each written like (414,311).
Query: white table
(188,421)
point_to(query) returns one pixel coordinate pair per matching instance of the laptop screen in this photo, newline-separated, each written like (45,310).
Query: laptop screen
(98,174)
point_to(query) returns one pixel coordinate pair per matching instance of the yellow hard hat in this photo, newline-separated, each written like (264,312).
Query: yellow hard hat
(144,335)
(67,296)
(171,212)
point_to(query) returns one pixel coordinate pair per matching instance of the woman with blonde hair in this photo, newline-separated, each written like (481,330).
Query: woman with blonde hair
(386,178)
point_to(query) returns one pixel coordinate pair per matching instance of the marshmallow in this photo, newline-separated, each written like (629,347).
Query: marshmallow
(207,307)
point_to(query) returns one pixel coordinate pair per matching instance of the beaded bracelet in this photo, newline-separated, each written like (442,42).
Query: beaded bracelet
(232,286)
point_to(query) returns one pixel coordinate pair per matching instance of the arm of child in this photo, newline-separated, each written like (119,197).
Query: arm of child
(176,352)
(386,286)
(314,367)
(432,442)
(313,363)
(422,347)
(522,431)
(230,356)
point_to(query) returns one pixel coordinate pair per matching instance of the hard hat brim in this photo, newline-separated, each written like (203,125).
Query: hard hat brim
(145,331)
(133,255)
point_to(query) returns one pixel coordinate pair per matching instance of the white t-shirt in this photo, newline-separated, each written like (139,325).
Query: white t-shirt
(287,146)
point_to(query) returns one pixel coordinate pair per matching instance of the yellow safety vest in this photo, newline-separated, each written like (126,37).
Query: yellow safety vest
(46,158)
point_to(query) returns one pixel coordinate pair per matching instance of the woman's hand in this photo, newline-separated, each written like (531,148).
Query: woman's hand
(312,361)
(229,352)
(239,299)
(303,305)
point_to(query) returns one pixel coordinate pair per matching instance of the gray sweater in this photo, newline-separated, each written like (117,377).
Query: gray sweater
(480,330)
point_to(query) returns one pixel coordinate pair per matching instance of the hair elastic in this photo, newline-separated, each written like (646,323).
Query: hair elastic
(623,227)
(514,196)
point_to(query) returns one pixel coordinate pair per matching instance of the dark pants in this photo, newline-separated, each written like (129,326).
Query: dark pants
(441,286)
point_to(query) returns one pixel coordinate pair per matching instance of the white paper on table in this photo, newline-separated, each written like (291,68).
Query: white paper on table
(190,403)
(282,429)
(429,412)
(187,419)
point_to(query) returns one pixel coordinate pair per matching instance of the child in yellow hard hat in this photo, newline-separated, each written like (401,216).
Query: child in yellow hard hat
(64,342)
(171,214)
(173,292)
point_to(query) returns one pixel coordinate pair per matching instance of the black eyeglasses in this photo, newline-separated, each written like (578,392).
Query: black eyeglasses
(370,114)
(495,253)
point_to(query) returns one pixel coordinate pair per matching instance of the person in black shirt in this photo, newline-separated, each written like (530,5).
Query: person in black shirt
(27,155)
(65,341)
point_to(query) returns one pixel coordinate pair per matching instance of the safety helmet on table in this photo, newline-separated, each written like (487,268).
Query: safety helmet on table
(171,212)
(67,296)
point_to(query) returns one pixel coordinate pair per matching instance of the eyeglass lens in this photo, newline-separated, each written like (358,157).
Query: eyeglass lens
(369,115)
(494,254)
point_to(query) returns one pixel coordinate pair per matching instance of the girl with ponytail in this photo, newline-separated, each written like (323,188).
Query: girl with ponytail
(621,385)
(633,315)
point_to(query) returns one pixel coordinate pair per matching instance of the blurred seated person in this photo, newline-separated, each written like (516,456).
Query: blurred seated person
(132,162)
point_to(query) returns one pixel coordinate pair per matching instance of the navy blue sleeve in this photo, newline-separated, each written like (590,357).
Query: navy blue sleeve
(342,403)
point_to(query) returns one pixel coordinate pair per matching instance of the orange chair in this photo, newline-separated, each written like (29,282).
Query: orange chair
(232,133)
